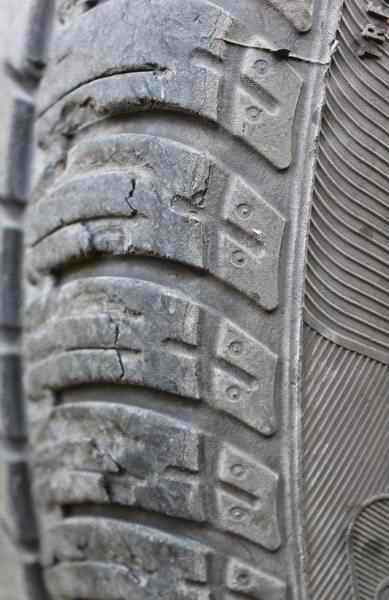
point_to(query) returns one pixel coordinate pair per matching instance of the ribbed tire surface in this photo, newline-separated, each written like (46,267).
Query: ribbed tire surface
(189,441)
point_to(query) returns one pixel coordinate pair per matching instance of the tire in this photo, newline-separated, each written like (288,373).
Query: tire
(207,175)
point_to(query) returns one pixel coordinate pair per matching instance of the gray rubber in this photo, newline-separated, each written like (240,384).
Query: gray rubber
(188,441)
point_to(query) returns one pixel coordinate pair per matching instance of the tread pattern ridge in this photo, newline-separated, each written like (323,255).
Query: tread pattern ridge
(347,268)
(345,412)
(344,419)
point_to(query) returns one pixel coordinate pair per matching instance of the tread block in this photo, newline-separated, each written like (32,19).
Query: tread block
(169,79)
(128,456)
(16,501)
(116,330)
(240,471)
(119,237)
(254,518)
(187,74)
(17,152)
(247,519)
(12,420)
(84,332)
(144,563)
(236,347)
(172,443)
(28,55)
(82,367)
(203,217)
(253,267)
(266,105)
(11,266)
(108,581)
(95,195)
(247,391)
(166,333)
(166,358)
(253,583)
(298,12)
(253,515)
(142,219)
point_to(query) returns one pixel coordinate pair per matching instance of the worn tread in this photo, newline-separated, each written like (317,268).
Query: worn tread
(165,252)
(123,197)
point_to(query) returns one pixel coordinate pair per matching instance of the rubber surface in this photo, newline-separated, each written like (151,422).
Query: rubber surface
(155,237)
(182,449)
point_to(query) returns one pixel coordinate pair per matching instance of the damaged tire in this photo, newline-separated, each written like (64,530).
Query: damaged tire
(203,172)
